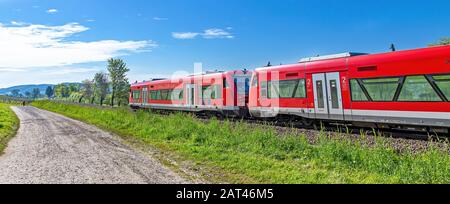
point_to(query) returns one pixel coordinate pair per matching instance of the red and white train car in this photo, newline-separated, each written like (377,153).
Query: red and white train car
(405,89)
(220,93)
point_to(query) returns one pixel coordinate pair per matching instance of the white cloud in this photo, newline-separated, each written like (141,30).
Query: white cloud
(160,19)
(31,46)
(184,36)
(51,11)
(216,33)
(213,33)
(15,23)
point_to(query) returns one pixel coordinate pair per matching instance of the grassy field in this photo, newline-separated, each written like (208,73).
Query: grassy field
(9,124)
(240,153)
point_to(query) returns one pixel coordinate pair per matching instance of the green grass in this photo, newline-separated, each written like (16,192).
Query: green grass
(240,153)
(9,124)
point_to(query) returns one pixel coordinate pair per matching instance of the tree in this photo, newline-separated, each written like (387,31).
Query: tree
(62,91)
(101,86)
(49,92)
(35,93)
(15,93)
(123,93)
(27,94)
(87,90)
(119,83)
(442,41)
(73,88)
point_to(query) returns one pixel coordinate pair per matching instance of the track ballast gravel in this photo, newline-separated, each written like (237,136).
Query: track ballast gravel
(53,149)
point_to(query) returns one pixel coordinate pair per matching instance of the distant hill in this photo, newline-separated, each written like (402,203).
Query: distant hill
(25,88)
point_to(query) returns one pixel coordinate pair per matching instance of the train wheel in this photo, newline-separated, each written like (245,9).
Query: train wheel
(134,108)
(220,116)
(317,125)
(308,122)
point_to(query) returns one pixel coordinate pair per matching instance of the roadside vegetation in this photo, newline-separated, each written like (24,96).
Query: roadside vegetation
(228,152)
(111,88)
(9,123)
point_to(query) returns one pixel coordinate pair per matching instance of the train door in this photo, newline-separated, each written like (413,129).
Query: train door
(334,92)
(320,96)
(328,96)
(241,84)
(144,96)
(190,95)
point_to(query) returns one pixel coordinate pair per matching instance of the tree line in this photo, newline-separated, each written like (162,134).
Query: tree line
(111,88)
(34,94)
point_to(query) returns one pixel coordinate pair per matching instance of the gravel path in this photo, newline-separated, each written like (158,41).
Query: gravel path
(50,148)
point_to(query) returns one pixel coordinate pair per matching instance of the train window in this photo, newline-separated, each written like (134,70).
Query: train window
(417,88)
(382,89)
(320,94)
(334,94)
(301,89)
(181,94)
(272,89)
(153,95)
(442,78)
(164,95)
(177,94)
(357,92)
(287,89)
(170,96)
(136,94)
(443,82)
(255,80)
(212,92)
(264,90)
(158,95)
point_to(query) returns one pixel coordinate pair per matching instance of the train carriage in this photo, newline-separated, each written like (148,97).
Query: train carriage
(405,89)
(219,93)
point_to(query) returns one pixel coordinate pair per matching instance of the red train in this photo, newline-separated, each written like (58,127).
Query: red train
(403,90)
(218,93)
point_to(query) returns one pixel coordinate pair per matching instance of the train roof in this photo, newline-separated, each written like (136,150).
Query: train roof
(362,58)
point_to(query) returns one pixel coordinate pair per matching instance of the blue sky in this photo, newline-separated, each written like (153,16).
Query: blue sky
(56,41)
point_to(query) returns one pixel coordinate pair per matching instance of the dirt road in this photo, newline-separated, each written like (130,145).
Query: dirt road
(50,148)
